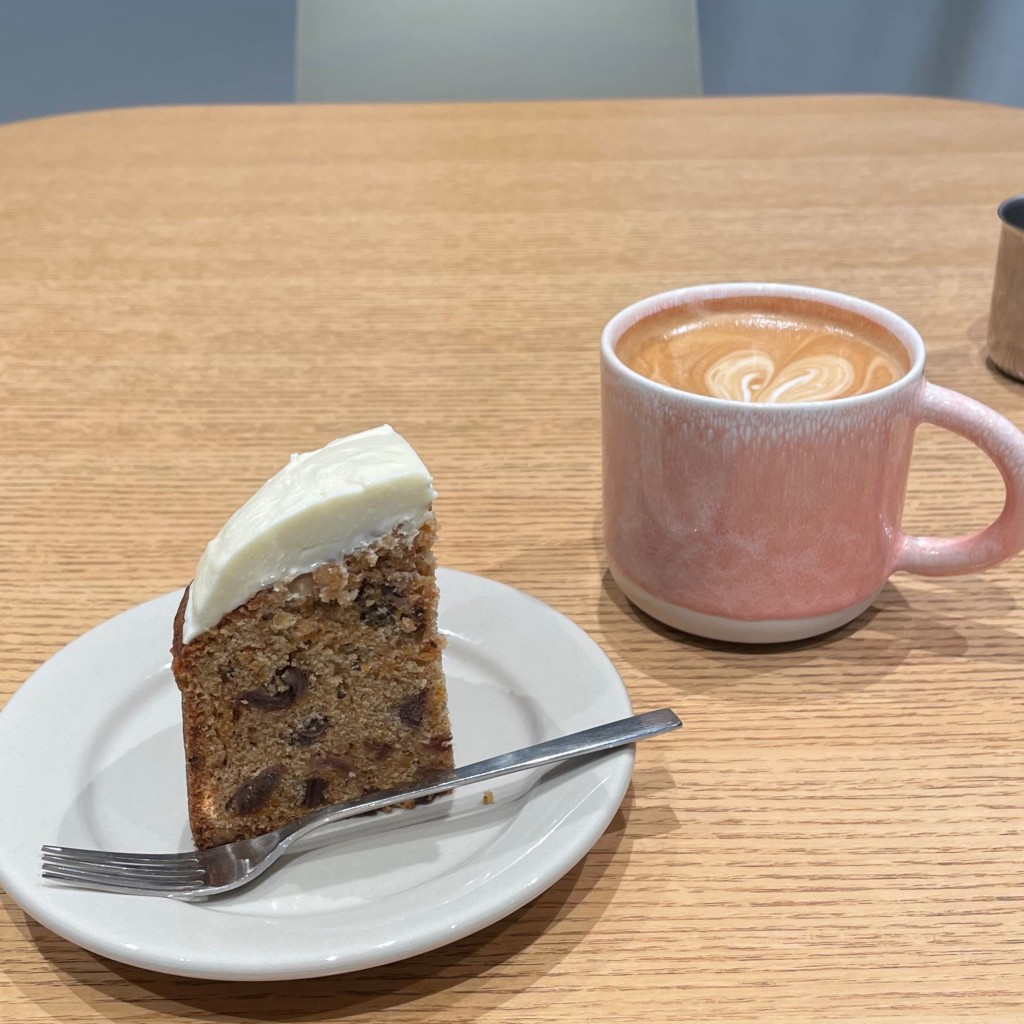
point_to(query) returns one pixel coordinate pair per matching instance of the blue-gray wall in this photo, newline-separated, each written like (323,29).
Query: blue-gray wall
(63,55)
(973,49)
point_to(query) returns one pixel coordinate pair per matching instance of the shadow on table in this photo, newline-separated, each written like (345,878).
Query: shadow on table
(926,620)
(977,338)
(545,930)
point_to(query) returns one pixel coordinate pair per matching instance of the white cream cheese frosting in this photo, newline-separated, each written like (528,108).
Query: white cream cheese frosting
(321,506)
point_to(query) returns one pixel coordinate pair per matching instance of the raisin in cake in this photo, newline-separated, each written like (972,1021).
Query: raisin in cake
(306,648)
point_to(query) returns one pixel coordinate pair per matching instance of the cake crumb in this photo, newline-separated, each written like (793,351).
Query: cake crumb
(488,797)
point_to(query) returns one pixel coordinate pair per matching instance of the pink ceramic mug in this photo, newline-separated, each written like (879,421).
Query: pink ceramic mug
(761,523)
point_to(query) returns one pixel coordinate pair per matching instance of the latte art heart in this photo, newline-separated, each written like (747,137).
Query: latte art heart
(770,357)
(750,376)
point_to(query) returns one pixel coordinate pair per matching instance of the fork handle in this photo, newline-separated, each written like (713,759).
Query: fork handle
(575,744)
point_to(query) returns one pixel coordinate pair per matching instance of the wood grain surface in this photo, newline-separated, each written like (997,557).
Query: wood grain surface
(187,295)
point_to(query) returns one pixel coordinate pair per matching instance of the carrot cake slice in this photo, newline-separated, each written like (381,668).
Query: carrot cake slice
(306,647)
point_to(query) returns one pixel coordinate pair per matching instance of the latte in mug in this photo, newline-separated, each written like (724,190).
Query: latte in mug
(764,351)
(777,516)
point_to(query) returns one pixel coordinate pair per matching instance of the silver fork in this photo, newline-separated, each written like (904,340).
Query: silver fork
(202,873)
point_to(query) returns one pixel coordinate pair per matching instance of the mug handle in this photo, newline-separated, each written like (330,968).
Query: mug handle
(1003,443)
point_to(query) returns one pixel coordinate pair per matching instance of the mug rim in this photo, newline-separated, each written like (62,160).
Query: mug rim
(901,329)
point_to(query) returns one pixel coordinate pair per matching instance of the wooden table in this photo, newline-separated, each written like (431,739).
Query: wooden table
(188,295)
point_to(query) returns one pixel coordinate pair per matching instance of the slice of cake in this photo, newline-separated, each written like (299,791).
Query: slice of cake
(306,648)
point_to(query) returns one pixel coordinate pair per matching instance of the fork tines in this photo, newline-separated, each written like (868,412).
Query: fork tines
(166,873)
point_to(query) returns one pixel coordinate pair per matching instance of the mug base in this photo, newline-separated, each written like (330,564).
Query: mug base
(738,631)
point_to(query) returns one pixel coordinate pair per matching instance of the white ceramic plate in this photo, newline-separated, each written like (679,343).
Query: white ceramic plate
(91,755)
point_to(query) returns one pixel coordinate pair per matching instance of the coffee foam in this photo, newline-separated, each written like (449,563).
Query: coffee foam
(764,350)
